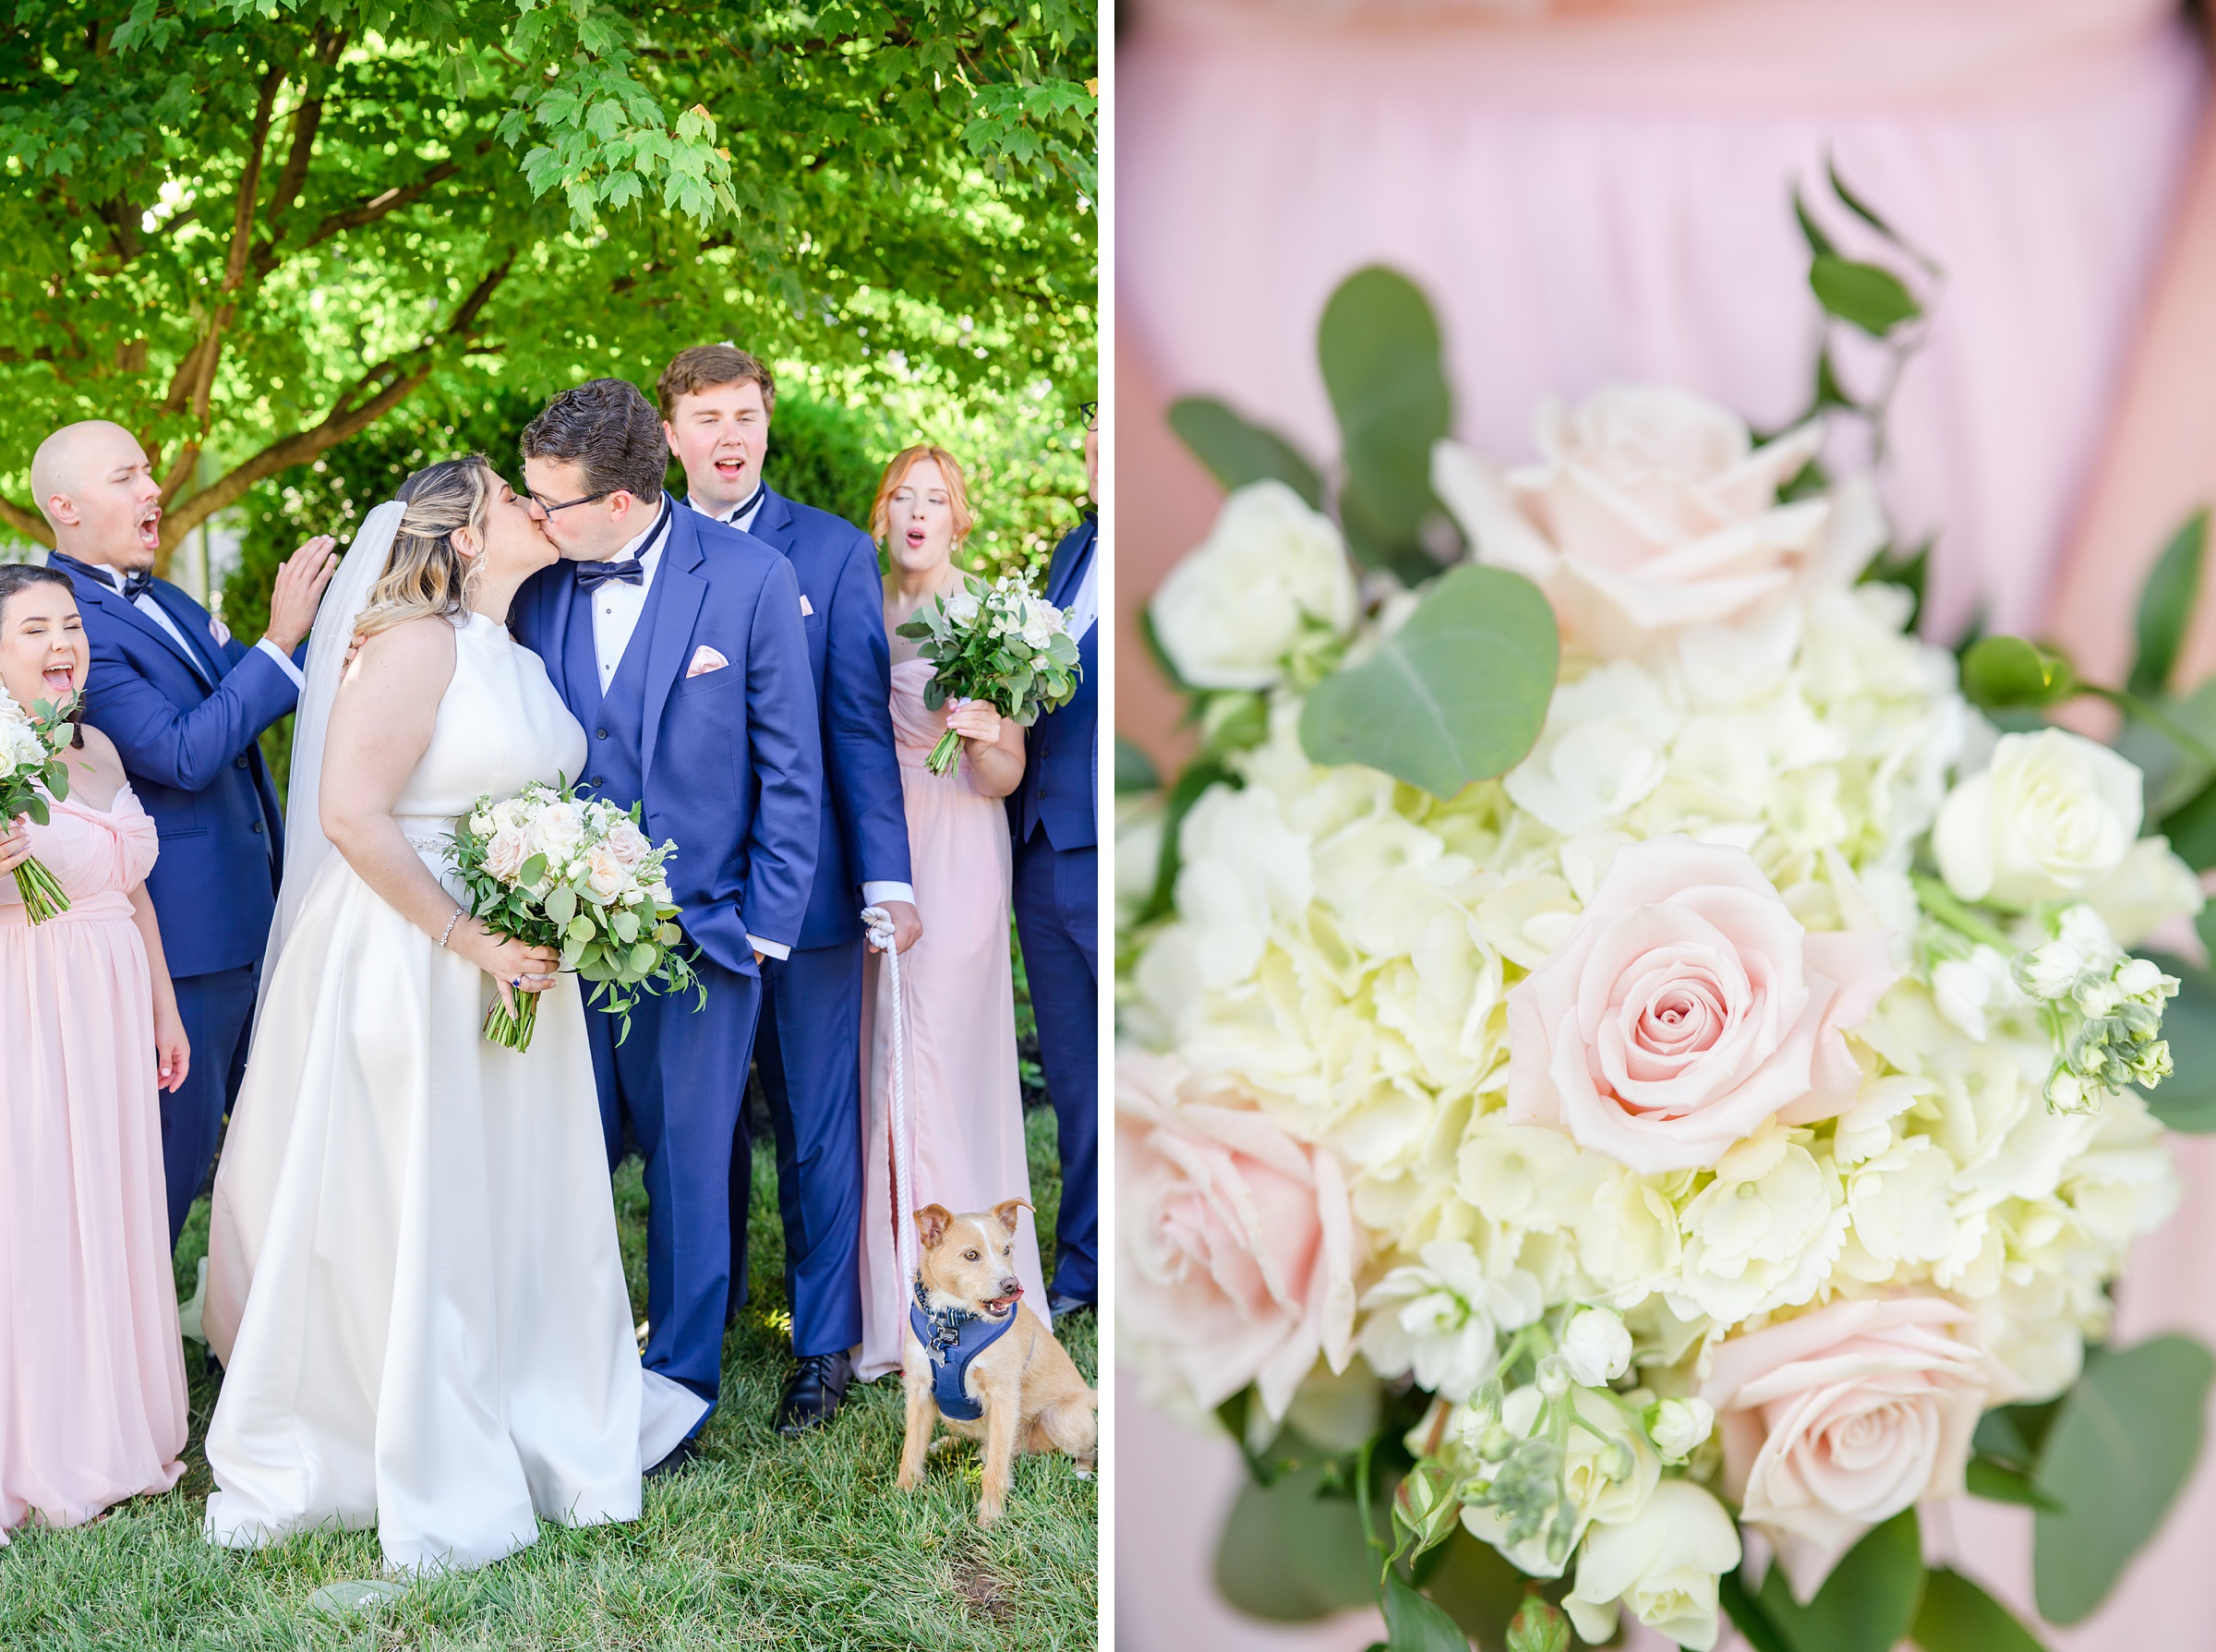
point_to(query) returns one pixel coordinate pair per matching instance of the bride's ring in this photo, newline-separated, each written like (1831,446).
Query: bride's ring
(516,981)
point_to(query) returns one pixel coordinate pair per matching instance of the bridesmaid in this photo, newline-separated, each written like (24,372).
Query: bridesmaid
(965,1108)
(92,1372)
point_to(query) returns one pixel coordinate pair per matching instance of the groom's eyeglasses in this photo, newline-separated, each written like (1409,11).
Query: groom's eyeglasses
(1091,413)
(547,510)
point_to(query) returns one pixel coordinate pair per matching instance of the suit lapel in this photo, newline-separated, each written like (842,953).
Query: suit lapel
(772,522)
(556,597)
(1069,566)
(111,601)
(682,590)
(180,608)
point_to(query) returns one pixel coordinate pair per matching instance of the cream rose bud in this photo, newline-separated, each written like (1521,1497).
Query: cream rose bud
(2050,818)
(1230,612)
(1686,1009)
(1836,1421)
(627,843)
(1237,1247)
(1680,1426)
(605,875)
(1662,1564)
(557,829)
(505,854)
(1597,1347)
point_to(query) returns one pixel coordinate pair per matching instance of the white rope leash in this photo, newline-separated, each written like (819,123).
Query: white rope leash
(880,924)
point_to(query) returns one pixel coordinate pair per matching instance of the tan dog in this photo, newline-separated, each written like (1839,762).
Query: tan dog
(1031,1396)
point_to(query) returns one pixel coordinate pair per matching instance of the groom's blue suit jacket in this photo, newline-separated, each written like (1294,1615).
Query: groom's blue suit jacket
(186,725)
(863,838)
(730,761)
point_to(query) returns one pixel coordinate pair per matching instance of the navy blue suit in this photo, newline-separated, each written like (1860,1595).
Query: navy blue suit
(186,721)
(730,764)
(809,1047)
(1054,816)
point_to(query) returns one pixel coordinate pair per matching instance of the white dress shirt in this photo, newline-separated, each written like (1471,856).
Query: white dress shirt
(154,610)
(617,606)
(877,891)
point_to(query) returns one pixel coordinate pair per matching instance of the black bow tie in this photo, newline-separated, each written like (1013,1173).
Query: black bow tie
(136,586)
(133,585)
(591,576)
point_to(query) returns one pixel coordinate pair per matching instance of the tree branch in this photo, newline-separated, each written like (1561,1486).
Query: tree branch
(249,183)
(386,385)
(29,523)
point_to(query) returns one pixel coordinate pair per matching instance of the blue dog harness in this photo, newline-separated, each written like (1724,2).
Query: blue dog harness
(953,1337)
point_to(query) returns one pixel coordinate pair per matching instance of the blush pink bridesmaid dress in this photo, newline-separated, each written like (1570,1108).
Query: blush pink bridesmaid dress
(92,1372)
(965,1108)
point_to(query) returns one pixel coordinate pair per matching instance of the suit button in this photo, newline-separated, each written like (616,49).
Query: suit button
(598,781)
(600,733)
(257,829)
(238,762)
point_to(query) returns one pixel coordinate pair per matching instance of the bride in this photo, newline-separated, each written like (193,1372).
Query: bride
(414,1282)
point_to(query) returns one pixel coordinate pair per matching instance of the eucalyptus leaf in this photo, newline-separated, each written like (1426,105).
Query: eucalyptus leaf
(1747,1616)
(1998,1482)
(1867,1603)
(1289,1554)
(1239,452)
(2120,1448)
(56,780)
(2005,673)
(1862,294)
(2167,603)
(2186,1100)
(1415,1624)
(1379,345)
(1458,694)
(532,871)
(1957,1616)
(561,905)
(1134,771)
(2191,828)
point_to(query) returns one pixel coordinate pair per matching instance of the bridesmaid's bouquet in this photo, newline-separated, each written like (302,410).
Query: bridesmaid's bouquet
(552,869)
(30,758)
(999,642)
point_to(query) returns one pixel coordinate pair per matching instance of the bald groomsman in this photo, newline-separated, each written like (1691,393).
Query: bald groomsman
(184,703)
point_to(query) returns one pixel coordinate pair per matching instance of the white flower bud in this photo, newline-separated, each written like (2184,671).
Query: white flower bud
(2140,978)
(1679,1426)
(2097,997)
(2048,972)
(1596,1348)
(1554,1376)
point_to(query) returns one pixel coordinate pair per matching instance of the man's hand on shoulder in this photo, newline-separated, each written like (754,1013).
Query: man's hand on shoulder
(299,591)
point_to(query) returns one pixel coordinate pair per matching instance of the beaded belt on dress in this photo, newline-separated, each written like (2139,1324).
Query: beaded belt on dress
(428,833)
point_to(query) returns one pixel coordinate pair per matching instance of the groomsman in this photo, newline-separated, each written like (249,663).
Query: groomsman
(184,703)
(715,403)
(1054,814)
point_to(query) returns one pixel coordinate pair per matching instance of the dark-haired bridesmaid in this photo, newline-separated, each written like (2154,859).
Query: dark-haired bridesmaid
(92,1372)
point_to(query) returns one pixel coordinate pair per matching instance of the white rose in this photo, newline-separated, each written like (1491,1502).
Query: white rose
(1040,621)
(2054,814)
(1597,1347)
(1230,612)
(505,854)
(1652,512)
(627,843)
(1592,1485)
(961,608)
(557,829)
(604,874)
(20,748)
(1663,1564)
(1443,1319)
(1605,746)
(1681,1427)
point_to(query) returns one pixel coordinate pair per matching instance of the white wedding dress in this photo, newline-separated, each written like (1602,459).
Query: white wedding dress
(414,1281)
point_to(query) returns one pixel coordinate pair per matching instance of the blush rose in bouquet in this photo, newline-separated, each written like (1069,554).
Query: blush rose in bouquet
(999,643)
(32,770)
(552,869)
(1709,1035)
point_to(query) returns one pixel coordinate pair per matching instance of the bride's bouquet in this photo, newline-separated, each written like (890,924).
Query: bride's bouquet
(999,643)
(552,869)
(1643,1072)
(32,770)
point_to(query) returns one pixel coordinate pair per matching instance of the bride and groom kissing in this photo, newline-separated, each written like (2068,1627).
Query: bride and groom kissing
(414,1282)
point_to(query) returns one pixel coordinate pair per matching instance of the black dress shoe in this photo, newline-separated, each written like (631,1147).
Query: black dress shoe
(1059,1307)
(683,1453)
(815,1392)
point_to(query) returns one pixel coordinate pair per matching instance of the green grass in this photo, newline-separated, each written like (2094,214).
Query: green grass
(765,1542)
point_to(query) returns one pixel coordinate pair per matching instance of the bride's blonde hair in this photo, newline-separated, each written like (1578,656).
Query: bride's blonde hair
(424,574)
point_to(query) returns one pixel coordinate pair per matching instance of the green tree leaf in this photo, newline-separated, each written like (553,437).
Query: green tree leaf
(1415,1624)
(1957,1616)
(1237,451)
(1289,1554)
(2120,1448)
(1458,694)
(2186,1100)
(1867,1603)
(1379,345)
(1862,294)
(2003,673)
(2166,606)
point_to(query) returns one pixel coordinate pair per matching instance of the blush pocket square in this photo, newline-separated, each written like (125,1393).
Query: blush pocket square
(807,607)
(705,660)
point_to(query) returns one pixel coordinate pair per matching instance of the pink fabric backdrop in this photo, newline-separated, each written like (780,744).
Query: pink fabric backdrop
(1603,194)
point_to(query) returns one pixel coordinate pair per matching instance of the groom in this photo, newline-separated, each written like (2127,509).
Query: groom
(185,704)
(677,642)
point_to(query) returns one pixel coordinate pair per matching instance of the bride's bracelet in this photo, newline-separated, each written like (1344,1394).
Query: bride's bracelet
(450,927)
